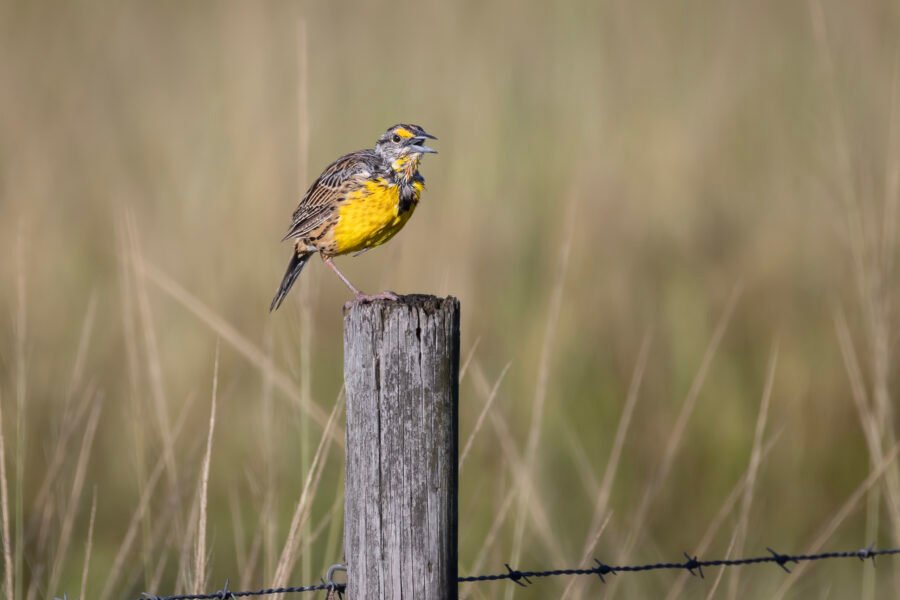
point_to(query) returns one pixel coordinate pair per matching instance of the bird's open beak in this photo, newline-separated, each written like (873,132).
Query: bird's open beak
(417,144)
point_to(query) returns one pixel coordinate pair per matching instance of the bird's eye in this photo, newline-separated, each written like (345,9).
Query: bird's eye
(396,139)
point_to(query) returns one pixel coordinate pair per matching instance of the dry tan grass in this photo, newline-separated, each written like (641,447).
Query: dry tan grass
(479,422)
(601,514)
(117,571)
(738,540)
(74,498)
(88,547)
(199,578)
(292,544)
(528,494)
(4,515)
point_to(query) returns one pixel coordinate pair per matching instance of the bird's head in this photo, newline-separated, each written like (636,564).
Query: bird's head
(403,146)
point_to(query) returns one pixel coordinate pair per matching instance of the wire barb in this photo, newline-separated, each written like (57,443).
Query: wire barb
(867,553)
(517,576)
(225,593)
(781,559)
(691,564)
(602,569)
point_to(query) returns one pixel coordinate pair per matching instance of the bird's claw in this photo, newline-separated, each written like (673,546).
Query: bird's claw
(379,296)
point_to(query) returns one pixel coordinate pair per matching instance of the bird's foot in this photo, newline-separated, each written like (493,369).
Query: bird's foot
(360,297)
(366,298)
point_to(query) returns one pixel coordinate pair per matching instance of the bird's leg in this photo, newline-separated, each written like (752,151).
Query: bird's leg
(327,260)
(359,295)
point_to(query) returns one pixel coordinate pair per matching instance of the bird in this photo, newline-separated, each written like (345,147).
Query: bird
(360,201)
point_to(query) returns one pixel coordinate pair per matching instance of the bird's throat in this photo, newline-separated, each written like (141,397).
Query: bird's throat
(405,167)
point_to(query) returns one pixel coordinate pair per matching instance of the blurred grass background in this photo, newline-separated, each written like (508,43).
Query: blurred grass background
(685,200)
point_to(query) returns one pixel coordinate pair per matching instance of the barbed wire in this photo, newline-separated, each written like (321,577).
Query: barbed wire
(691,564)
(226,594)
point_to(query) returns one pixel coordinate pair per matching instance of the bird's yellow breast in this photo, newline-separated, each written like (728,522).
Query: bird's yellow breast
(372,215)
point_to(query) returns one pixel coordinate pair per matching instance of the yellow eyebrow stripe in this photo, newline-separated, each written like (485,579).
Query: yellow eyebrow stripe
(403,132)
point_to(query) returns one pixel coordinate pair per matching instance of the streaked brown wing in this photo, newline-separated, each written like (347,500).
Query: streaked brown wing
(339,179)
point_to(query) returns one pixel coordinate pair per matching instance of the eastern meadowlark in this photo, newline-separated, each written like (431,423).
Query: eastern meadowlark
(360,201)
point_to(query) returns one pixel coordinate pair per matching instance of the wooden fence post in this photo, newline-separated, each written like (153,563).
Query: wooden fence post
(401,371)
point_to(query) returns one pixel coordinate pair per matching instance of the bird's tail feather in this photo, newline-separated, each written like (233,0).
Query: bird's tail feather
(298,261)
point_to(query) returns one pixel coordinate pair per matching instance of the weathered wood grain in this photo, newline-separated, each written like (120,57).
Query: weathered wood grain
(401,368)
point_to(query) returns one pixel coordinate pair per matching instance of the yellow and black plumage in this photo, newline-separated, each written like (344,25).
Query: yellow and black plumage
(360,201)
